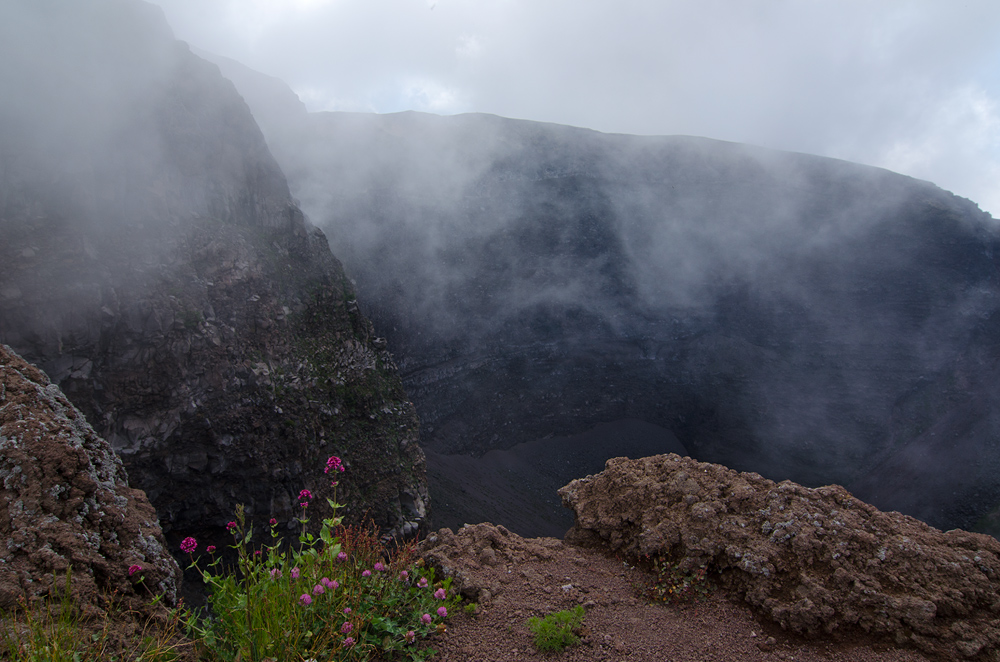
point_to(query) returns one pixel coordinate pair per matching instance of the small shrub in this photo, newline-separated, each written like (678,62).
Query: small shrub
(340,595)
(556,631)
(672,584)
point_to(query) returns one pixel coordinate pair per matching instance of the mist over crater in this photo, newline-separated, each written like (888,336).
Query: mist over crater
(797,316)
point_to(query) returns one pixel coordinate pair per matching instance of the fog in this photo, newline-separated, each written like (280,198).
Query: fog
(795,315)
(912,86)
(776,312)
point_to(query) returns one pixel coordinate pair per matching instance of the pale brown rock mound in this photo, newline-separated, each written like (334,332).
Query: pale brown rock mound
(817,561)
(65,503)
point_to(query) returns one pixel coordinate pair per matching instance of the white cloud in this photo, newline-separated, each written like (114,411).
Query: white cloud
(469,47)
(430,96)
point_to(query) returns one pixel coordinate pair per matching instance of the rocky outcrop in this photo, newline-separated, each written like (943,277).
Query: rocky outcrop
(817,561)
(66,504)
(155,265)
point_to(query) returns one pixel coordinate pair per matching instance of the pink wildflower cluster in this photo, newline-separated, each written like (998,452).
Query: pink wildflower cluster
(333,464)
(304,497)
(188,545)
(379,566)
(231,526)
(210,549)
(132,569)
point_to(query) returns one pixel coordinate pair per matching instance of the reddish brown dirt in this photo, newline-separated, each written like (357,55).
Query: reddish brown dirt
(514,578)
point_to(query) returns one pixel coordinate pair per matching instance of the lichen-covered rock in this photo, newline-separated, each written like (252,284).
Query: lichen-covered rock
(462,555)
(65,502)
(814,560)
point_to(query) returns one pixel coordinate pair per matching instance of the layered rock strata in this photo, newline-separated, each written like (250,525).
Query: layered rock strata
(817,561)
(66,505)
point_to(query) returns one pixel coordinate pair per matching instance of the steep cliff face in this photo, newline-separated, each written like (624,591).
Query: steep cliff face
(801,317)
(155,266)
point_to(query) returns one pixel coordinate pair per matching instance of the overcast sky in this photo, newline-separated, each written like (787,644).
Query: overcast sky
(913,86)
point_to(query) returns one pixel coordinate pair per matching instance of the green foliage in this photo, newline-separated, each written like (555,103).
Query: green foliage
(341,595)
(671,584)
(556,631)
(54,630)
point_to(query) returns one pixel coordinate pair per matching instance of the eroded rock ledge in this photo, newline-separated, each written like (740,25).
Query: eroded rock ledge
(817,561)
(65,502)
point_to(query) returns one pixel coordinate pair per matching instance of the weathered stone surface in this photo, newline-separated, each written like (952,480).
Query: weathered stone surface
(154,264)
(65,502)
(814,560)
(477,545)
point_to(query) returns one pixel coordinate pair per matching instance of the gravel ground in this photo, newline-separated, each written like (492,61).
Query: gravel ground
(549,575)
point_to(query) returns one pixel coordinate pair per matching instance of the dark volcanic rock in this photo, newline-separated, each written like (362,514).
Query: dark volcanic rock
(66,504)
(814,560)
(155,266)
(797,316)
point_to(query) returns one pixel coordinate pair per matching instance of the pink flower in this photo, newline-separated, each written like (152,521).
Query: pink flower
(440,594)
(403,575)
(333,464)
(231,526)
(295,573)
(346,627)
(305,599)
(422,583)
(330,584)
(132,569)
(426,618)
(410,636)
(442,612)
(342,557)
(333,483)
(347,610)
(366,573)
(273,522)
(210,549)
(379,567)
(257,553)
(188,545)
(305,495)
(275,573)
(348,642)
(318,589)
